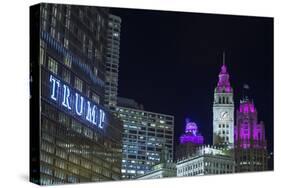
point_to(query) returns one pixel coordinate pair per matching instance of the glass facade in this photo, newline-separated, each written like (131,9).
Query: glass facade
(81,141)
(112,61)
(146,137)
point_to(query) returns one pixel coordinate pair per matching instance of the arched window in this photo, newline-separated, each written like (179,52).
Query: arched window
(223,100)
(227,100)
(219,100)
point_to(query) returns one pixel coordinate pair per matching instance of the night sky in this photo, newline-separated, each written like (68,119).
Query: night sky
(170,61)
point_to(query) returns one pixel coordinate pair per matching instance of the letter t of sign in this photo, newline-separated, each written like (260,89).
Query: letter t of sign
(55,87)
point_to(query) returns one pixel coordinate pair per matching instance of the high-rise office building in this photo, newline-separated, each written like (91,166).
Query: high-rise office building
(146,135)
(112,61)
(189,141)
(223,111)
(80,140)
(250,142)
(206,160)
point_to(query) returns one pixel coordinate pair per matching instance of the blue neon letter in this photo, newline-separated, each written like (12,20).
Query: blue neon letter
(79,112)
(91,113)
(55,86)
(66,95)
(102,115)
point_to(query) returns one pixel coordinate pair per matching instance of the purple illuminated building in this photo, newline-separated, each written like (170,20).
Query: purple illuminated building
(250,142)
(189,141)
(191,134)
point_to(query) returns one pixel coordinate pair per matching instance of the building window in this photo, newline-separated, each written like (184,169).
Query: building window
(42,54)
(46,170)
(59,174)
(67,61)
(46,158)
(61,164)
(63,119)
(78,84)
(74,159)
(66,75)
(76,126)
(44,22)
(66,43)
(53,32)
(96,98)
(60,153)
(52,65)
(88,132)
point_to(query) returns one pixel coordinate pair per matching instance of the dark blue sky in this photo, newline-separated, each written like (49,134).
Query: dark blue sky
(170,62)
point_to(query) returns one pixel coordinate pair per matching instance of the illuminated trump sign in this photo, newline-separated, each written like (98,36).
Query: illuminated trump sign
(75,103)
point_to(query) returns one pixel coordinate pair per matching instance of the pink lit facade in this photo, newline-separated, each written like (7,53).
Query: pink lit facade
(223,85)
(250,142)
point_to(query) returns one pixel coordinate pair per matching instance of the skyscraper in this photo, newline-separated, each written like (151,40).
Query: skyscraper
(112,61)
(250,142)
(146,137)
(223,110)
(80,140)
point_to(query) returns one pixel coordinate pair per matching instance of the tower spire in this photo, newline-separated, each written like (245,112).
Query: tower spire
(223,58)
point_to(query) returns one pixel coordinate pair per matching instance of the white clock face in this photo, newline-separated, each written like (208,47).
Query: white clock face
(224,115)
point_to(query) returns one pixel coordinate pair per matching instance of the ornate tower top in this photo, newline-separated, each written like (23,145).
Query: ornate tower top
(191,134)
(223,85)
(247,106)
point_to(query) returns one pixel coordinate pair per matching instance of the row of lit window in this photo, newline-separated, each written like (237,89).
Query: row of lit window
(53,66)
(77,32)
(145,121)
(154,116)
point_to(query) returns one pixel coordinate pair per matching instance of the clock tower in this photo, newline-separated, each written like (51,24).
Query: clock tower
(223,110)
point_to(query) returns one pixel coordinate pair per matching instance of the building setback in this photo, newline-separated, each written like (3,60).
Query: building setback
(250,142)
(146,135)
(207,160)
(112,61)
(80,139)
(162,170)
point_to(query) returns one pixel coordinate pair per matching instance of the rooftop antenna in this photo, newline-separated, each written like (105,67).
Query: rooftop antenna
(223,58)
